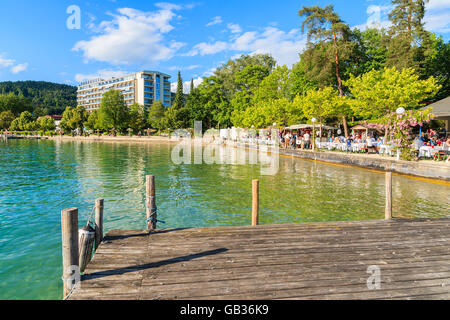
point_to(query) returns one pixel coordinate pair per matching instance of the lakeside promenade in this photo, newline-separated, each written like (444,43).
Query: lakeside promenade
(423,168)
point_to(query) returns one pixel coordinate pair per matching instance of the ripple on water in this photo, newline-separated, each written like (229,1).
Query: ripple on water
(39,178)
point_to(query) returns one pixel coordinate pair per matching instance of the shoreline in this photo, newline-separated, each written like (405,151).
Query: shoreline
(439,171)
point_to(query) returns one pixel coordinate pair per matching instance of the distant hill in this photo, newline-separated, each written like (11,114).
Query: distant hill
(46,97)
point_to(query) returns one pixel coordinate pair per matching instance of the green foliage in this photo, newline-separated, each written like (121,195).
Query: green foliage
(42,97)
(156,116)
(73,118)
(114,113)
(25,122)
(321,104)
(409,41)
(179,98)
(328,44)
(137,117)
(6,118)
(15,103)
(93,121)
(46,124)
(378,92)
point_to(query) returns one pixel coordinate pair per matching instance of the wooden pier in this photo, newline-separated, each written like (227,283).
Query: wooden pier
(387,259)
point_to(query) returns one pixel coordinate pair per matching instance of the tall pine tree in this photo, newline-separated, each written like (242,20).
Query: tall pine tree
(410,42)
(328,43)
(179,98)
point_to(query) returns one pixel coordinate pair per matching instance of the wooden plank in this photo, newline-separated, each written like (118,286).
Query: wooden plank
(301,261)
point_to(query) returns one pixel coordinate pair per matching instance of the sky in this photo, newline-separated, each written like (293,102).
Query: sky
(72,41)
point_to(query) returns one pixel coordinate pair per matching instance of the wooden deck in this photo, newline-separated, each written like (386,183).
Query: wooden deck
(301,261)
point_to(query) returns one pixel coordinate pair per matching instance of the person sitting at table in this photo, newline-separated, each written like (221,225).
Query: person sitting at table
(424,138)
(447,144)
(371,145)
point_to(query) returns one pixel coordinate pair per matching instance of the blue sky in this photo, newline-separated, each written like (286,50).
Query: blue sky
(124,36)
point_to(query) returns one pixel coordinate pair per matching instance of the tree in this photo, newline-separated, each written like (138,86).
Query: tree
(247,80)
(25,122)
(113,111)
(437,65)
(15,103)
(409,41)
(156,116)
(264,114)
(46,124)
(179,98)
(43,97)
(73,118)
(371,51)
(320,104)
(379,92)
(324,25)
(137,118)
(6,118)
(93,121)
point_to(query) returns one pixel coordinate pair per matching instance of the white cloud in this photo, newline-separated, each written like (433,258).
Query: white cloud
(132,37)
(234,28)
(214,21)
(283,46)
(378,18)
(187,85)
(19,68)
(192,67)
(207,49)
(437,16)
(4,62)
(104,74)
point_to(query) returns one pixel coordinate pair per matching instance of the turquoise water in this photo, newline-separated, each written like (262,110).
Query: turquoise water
(40,178)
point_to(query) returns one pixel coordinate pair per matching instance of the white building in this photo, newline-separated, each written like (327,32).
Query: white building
(144,88)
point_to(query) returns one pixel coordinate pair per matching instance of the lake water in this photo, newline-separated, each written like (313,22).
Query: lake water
(40,178)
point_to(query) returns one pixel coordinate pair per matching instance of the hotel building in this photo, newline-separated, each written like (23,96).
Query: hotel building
(144,88)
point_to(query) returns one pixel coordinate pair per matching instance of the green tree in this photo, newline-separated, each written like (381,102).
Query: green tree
(46,124)
(25,122)
(247,80)
(93,121)
(379,92)
(179,98)
(321,104)
(15,103)
(437,65)
(114,113)
(74,118)
(156,117)
(137,118)
(409,42)
(6,118)
(331,46)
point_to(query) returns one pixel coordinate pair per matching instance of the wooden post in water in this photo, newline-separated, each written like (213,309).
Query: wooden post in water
(85,245)
(69,229)
(151,203)
(98,222)
(255,204)
(388,211)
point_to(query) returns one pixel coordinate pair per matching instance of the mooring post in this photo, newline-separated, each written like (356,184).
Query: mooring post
(86,245)
(151,209)
(98,222)
(255,204)
(69,229)
(388,211)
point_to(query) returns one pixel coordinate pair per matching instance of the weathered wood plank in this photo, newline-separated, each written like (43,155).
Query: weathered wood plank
(300,261)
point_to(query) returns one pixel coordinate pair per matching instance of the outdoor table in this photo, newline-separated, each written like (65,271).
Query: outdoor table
(386,149)
(426,151)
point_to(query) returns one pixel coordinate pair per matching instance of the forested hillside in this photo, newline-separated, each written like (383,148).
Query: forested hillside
(45,97)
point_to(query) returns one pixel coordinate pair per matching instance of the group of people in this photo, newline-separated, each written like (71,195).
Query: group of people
(296,140)
(432,139)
